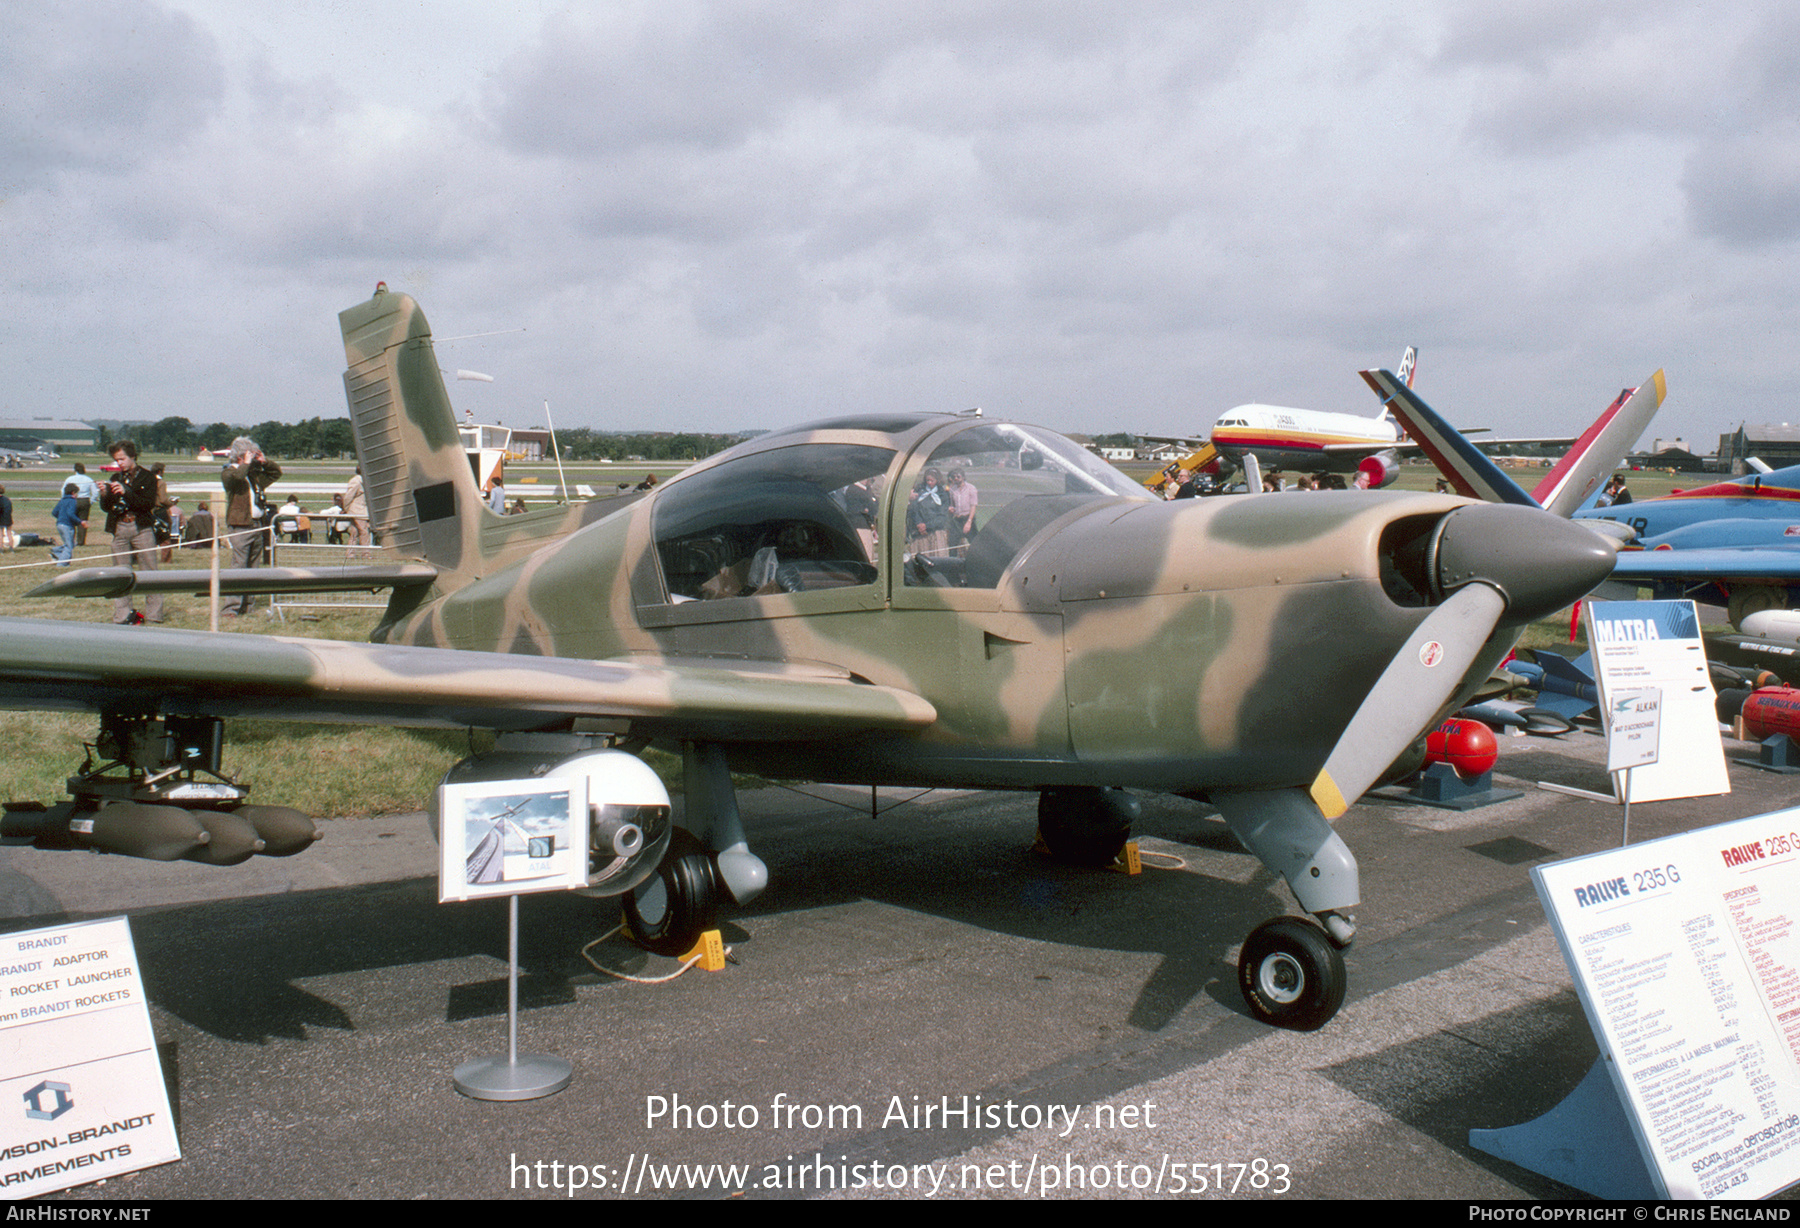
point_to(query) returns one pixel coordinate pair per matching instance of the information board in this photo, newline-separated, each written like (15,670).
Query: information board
(512,837)
(1686,954)
(1644,644)
(81,1090)
(1634,726)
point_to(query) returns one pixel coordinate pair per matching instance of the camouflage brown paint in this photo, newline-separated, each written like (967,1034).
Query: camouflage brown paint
(1200,645)
(1132,642)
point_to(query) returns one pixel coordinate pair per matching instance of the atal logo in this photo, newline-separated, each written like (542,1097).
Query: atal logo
(48,1101)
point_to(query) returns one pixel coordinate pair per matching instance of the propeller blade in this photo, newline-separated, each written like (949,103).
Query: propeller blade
(1420,679)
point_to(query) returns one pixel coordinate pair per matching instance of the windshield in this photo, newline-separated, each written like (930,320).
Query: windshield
(987,491)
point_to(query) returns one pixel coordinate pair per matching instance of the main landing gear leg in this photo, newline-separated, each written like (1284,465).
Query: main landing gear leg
(1291,971)
(707,862)
(1084,825)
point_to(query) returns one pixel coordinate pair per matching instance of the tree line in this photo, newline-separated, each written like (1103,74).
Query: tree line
(287,440)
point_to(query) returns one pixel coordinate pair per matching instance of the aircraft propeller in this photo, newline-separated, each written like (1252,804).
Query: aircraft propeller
(1493,565)
(1496,562)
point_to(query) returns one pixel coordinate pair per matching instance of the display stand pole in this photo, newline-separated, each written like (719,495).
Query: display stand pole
(513,1078)
(1625,792)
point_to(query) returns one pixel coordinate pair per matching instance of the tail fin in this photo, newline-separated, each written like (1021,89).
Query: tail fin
(1409,363)
(422,494)
(1601,447)
(1466,466)
(1581,470)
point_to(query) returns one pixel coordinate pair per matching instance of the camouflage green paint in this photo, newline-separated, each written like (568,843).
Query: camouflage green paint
(1130,641)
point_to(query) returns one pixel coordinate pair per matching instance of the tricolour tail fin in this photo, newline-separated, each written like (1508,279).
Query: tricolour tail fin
(1466,466)
(1601,447)
(422,496)
(1577,475)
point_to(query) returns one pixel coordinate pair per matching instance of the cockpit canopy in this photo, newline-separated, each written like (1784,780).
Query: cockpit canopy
(820,507)
(782,520)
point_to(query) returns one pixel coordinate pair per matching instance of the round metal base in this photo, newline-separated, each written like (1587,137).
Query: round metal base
(533,1076)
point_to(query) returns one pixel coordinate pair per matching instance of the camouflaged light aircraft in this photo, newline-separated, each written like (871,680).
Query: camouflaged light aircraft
(801,606)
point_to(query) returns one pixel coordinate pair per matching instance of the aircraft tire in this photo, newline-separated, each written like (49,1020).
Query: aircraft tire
(669,911)
(1085,826)
(1291,975)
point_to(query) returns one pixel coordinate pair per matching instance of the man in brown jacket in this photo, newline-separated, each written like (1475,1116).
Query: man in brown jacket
(247,475)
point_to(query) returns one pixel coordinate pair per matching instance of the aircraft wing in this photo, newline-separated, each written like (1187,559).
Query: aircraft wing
(1747,565)
(120,581)
(47,664)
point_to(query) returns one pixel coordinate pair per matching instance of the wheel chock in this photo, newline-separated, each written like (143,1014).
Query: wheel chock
(709,952)
(1128,861)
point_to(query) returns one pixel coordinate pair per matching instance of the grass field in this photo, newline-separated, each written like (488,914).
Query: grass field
(325,770)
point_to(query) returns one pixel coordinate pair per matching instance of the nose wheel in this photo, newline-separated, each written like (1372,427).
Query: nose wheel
(1291,975)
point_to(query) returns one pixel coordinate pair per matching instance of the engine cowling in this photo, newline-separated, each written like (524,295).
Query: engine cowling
(628,808)
(1382,469)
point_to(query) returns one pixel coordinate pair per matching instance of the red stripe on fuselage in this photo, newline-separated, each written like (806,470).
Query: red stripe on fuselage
(1731,490)
(1275,445)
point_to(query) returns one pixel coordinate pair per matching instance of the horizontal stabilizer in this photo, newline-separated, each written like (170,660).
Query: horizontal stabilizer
(121,581)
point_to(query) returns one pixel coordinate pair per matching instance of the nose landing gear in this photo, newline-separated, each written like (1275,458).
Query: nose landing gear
(1291,975)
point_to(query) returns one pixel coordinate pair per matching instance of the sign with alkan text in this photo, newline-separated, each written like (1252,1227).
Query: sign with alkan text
(1639,645)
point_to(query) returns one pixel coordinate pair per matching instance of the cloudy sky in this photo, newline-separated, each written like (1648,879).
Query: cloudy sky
(712,215)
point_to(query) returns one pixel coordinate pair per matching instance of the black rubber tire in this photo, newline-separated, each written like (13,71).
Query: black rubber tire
(669,911)
(1291,975)
(1086,826)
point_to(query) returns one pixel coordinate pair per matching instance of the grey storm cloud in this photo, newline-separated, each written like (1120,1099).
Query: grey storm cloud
(101,86)
(729,213)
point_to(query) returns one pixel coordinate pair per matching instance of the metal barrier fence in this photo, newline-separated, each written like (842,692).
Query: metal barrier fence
(303,554)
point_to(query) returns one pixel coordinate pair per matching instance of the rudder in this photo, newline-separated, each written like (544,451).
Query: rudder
(422,496)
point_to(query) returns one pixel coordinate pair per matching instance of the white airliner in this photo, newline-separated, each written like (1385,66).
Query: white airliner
(1312,441)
